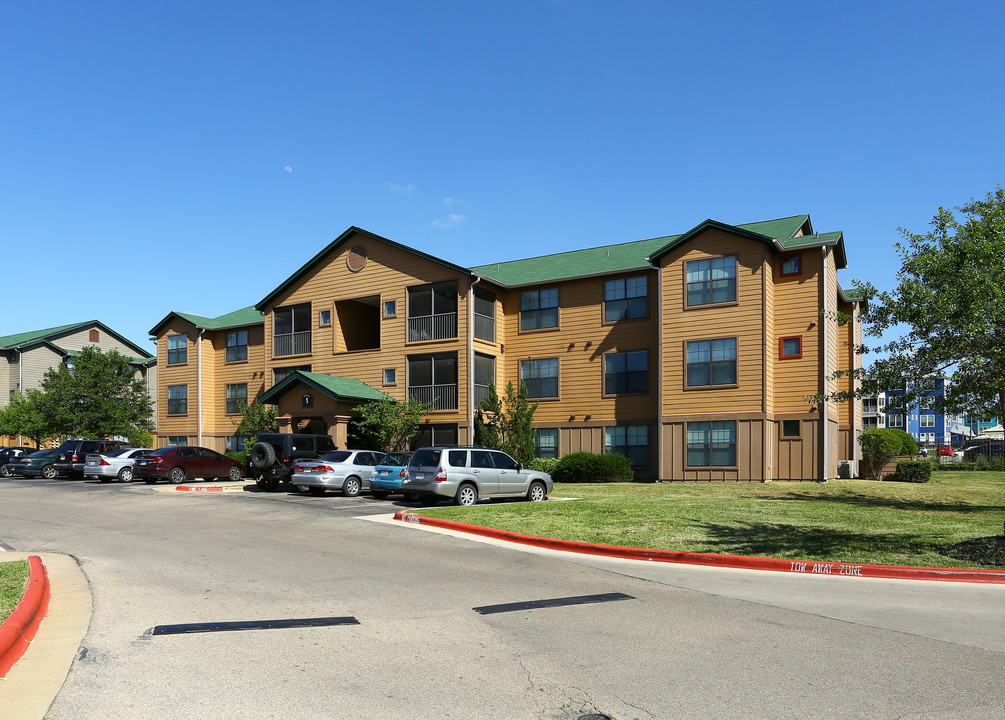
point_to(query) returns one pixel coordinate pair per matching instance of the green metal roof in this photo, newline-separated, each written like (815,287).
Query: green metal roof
(337,388)
(48,335)
(237,318)
(131,360)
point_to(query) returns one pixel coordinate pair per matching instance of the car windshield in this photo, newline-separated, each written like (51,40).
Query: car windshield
(337,456)
(395,459)
(162,451)
(118,452)
(425,458)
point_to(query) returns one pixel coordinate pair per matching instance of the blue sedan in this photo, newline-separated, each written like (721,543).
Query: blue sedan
(388,474)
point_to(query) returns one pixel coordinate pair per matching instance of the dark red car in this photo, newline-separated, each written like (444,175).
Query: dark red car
(177,464)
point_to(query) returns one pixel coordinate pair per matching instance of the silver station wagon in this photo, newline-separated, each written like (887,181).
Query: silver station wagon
(467,474)
(348,471)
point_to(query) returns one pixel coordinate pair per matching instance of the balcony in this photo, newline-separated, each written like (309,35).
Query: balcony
(432,327)
(481,393)
(298,343)
(485,327)
(443,397)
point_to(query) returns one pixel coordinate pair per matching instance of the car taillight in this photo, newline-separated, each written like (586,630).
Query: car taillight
(74,458)
(441,475)
(286,458)
(403,473)
(104,462)
(324,468)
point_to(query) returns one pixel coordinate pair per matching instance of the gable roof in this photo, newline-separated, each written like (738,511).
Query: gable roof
(332,246)
(237,318)
(49,336)
(337,388)
(640,254)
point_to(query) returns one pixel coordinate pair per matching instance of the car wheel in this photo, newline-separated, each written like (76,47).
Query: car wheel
(49,472)
(4,472)
(263,456)
(351,486)
(267,483)
(176,476)
(380,494)
(234,474)
(537,492)
(126,474)
(467,494)
(315,490)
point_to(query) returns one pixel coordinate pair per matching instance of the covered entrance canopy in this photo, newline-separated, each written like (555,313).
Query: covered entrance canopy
(316,403)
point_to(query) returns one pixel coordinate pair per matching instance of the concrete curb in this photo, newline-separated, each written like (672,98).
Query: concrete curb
(19,629)
(806,567)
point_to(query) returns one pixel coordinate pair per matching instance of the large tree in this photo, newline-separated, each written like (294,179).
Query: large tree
(387,424)
(505,423)
(30,415)
(950,303)
(97,395)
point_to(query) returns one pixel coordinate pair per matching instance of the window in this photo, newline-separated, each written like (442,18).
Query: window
(539,309)
(711,362)
(177,399)
(632,441)
(324,317)
(541,377)
(896,420)
(711,281)
(485,315)
(790,347)
(177,440)
(279,374)
(927,420)
(237,346)
(546,443)
(433,378)
(485,372)
(432,311)
(236,443)
(178,349)
(791,265)
(292,330)
(237,398)
(926,437)
(358,323)
(626,372)
(390,376)
(435,435)
(390,308)
(711,444)
(790,428)
(625,299)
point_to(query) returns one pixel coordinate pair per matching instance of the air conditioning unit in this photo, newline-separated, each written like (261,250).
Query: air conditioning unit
(846,469)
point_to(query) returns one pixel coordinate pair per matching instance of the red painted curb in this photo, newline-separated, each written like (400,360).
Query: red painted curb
(806,567)
(19,629)
(197,488)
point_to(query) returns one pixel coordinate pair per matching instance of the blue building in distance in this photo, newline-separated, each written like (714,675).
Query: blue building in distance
(921,420)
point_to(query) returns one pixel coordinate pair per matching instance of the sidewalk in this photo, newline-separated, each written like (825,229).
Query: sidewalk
(32,684)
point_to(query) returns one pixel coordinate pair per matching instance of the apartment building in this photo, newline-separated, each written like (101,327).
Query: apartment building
(693,354)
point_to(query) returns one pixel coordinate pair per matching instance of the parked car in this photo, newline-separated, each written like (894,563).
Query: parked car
(15,465)
(177,464)
(467,474)
(391,471)
(346,470)
(7,454)
(118,464)
(273,455)
(989,448)
(70,456)
(41,464)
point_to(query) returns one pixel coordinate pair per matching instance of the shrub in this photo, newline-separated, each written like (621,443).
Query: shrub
(916,471)
(908,445)
(879,446)
(586,467)
(241,456)
(546,465)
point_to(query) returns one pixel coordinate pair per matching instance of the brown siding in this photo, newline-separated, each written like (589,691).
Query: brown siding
(797,313)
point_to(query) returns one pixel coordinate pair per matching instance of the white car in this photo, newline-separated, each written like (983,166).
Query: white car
(118,464)
(346,470)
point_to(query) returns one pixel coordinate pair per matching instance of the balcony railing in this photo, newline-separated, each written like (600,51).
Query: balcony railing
(481,392)
(485,327)
(432,327)
(298,343)
(443,397)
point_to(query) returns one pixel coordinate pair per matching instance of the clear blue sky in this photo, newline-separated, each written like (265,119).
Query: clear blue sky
(189,156)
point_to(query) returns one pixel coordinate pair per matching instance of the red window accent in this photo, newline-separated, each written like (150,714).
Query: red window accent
(92,336)
(791,266)
(790,347)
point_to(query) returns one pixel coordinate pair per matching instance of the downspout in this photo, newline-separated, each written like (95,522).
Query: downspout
(199,384)
(856,406)
(824,409)
(471,359)
(20,379)
(659,373)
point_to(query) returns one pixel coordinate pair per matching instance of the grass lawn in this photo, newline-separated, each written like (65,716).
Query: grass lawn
(13,582)
(851,521)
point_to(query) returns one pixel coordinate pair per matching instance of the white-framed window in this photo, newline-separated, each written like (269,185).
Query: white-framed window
(896,420)
(927,420)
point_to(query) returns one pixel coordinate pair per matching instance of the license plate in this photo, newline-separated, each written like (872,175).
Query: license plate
(420,476)
(385,473)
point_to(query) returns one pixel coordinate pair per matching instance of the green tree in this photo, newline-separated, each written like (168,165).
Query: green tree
(28,414)
(506,423)
(388,424)
(950,299)
(97,395)
(256,418)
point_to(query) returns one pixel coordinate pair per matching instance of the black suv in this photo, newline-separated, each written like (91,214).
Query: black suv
(272,456)
(71,455)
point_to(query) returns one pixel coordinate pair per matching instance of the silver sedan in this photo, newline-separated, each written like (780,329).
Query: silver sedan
(348,471)
(118,464)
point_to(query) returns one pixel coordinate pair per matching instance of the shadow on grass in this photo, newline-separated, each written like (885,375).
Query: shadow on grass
(796,541)
(894,503)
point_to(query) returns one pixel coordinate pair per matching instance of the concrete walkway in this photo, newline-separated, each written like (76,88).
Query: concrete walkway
(32,684)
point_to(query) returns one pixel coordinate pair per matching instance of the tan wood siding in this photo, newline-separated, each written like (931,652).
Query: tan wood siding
(179,374)
(749,451)
(797,313)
